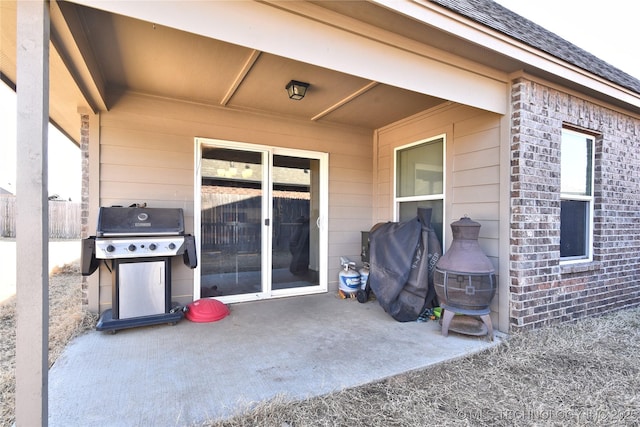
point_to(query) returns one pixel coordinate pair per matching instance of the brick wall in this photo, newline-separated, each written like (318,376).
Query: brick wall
(543,291)
(84,195)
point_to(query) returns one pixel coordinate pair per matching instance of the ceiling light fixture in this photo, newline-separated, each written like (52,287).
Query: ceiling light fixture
(247,172)
(296,89)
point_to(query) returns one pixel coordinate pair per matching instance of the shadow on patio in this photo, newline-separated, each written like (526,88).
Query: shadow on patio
(298,347)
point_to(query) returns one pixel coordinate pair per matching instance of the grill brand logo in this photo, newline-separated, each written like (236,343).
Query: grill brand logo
(142,224)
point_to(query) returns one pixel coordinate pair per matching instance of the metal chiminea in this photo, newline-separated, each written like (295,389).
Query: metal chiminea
(465,281)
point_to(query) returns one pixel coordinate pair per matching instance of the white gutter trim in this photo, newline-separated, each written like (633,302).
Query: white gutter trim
(474,32)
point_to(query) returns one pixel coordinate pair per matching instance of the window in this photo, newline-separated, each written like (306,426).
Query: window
(576,196)
(419,175)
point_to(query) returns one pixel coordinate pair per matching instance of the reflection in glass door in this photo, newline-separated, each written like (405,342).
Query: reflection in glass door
(295,190)
(260,221)
(231,197)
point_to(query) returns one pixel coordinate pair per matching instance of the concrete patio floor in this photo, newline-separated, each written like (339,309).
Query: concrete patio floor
(192,372)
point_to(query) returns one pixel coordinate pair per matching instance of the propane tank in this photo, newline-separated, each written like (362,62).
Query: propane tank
(362,295)
(364,275)
(349,278)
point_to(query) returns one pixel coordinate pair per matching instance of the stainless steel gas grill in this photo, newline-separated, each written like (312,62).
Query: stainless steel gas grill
(138,244)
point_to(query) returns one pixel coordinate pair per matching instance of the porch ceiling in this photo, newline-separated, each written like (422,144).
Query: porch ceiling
(143,57)
(65,97)
(97,55)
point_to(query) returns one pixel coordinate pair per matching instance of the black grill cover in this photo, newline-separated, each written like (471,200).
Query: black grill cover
(403,258)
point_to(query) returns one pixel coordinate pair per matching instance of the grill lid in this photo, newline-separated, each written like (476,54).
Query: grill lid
(135,221)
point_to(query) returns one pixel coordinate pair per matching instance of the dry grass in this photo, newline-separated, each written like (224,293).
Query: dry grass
(66,321)
(585,373)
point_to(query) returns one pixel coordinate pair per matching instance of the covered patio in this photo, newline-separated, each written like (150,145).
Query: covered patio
(193,372)
(150,94)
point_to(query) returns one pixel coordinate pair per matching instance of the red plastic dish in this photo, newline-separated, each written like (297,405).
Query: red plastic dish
(206,310)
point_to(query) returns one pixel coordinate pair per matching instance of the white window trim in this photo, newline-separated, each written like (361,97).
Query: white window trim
(397,200)
(589,198)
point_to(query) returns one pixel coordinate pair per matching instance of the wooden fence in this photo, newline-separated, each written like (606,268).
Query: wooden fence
(64,219)
(233,222)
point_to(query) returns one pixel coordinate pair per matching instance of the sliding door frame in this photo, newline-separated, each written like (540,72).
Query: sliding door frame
(268,152)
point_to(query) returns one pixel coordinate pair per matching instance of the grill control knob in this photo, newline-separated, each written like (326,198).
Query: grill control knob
(110,248)
(152,247)
(132,247)
(172,246)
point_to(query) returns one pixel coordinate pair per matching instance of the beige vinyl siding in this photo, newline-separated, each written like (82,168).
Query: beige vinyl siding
(475,180)
(350,199)
(472,169)
(147,156)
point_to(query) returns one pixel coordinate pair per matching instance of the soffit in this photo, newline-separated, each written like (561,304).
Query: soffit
(143,57)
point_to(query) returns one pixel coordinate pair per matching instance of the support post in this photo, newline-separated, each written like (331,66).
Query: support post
(32,228)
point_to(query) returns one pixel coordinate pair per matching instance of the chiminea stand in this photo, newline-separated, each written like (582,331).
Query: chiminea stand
(450,312)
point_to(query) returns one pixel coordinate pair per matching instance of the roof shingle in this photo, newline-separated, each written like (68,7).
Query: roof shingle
(499,18)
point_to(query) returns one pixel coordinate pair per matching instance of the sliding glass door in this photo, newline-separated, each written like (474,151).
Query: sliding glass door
(231,221)
(294,234)
(261,221)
